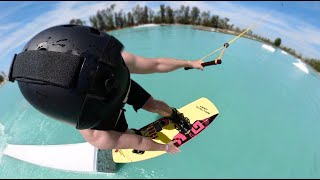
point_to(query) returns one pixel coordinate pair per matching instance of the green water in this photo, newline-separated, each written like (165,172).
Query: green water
(268,124)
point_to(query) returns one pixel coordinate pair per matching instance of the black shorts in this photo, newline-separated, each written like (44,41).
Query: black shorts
(137,98)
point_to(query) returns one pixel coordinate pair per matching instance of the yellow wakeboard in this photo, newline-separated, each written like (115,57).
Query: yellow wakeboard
(200,113)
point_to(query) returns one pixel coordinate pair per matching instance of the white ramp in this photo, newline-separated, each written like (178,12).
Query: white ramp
(269,48)
(81,157)
(301,66)
(75,157)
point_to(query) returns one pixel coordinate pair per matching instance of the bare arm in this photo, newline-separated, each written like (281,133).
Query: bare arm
(117,140)
(142,65)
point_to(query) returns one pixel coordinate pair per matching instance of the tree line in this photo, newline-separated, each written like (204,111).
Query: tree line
(107,19)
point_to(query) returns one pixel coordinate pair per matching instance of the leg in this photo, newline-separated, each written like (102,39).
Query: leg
(105,161)
(157,106)
(140,98)
(160,107)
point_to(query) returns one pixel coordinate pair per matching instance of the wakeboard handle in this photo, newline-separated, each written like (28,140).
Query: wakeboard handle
(215,62)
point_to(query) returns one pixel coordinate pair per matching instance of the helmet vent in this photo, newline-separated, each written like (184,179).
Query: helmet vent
(43,46)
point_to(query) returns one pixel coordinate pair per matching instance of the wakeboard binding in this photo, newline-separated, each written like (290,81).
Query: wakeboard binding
(181,123)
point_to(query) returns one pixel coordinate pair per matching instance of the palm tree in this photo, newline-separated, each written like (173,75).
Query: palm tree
(277,42)
(195,15)
(170,15)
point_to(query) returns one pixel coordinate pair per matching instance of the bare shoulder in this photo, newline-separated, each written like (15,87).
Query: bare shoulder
(138,64)
(131,61)
(128,57)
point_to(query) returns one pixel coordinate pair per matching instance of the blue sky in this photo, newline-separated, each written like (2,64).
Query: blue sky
(297,22)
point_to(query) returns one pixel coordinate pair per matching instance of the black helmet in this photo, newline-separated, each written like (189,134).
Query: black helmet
(73,73)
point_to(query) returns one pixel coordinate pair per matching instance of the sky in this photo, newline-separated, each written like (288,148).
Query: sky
(295,22)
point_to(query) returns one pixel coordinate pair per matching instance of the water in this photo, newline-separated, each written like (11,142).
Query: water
(267,127)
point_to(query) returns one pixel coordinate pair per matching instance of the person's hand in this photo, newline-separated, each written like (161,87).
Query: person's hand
(172,149)
(196,64)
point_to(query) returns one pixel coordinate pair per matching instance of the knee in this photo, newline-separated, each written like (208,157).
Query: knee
(97,138)
(89,135)
(94,137)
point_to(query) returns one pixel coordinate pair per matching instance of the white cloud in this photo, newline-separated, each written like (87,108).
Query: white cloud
(62,14)
(8,27)
(12,9)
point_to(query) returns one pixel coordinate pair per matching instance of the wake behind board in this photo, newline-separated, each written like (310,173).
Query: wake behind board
(200,113)
(80,157)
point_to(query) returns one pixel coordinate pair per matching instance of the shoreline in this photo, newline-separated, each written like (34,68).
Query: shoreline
(225,31)
(203,28)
